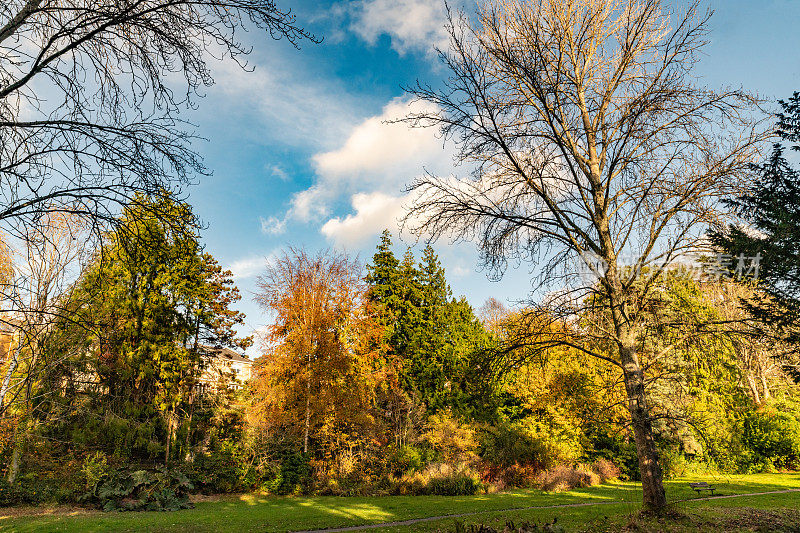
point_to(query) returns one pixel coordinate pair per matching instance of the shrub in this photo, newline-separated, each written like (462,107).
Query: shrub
(605,470)
(458,484)
(453,441)
(288,474)
(614,447)
(216,472)
(95,469)
(671,460)
(771,440)
(563,478)
(509,445)
(12,494)
(436,478)
(516,475)
(159,489)
(404,460)
(48,475)
(30,489)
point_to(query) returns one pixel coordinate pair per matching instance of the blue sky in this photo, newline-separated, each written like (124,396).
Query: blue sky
(300,155)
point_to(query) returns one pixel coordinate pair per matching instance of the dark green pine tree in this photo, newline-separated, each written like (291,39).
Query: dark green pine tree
(383,278)
(411,320)
(435,290)
(431,367)
(449,335)
(393,287)
(772,209)
(433,334)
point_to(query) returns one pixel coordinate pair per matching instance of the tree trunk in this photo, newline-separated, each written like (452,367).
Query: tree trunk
(652,481)
(751,383)
(12,367)
(20,437)
(308,415)
(189,457)
(767,396)
(13,468)
(166,454)
(170,430)
(653,495)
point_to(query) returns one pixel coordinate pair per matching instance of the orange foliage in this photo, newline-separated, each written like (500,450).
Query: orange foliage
(323,353)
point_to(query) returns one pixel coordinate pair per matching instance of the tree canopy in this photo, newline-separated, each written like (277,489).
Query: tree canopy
(139,316)
(434,335)
(589,146)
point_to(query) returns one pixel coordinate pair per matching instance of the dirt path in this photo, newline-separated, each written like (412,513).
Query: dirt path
(413,521)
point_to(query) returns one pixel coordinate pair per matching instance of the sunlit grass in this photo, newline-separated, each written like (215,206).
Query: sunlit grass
(251,512)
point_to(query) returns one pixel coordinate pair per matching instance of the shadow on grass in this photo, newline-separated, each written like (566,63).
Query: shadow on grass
(254,512)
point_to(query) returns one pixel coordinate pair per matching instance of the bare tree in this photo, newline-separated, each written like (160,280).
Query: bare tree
(42,278)
(492,313)
(90,93)
(39,278)
(90,100)
(761,352)
(589,149)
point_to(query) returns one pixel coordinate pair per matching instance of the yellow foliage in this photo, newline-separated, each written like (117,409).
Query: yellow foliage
(454,440)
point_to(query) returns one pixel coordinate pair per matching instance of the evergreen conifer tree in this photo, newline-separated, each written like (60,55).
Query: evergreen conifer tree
(772,210)
(433,334)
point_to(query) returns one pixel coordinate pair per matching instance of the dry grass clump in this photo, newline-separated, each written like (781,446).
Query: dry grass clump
(563,477)
(510,477)
(438,478)
(605,470)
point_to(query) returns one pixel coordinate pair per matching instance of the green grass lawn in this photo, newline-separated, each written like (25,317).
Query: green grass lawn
(269,514)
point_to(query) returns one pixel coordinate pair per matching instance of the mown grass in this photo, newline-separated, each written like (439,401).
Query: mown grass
(704,516)
(271,514)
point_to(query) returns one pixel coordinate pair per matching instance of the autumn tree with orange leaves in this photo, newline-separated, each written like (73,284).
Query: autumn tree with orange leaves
(323,357)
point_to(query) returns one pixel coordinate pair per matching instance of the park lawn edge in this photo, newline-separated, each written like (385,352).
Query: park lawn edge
(269,513)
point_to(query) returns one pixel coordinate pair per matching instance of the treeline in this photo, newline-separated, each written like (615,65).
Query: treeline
(395,386)
(373,380)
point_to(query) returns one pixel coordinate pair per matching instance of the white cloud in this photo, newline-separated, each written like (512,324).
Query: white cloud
(381,151)
(295,106)
(459,271)
(310,204)
(279,173)
(374,212)
(412,25)
(371,168)
(248,267)
(272,225)
(375,156)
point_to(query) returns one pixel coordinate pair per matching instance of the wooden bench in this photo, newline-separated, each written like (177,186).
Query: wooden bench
(701,486)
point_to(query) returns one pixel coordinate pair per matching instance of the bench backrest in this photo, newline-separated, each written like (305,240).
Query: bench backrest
(700,484)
